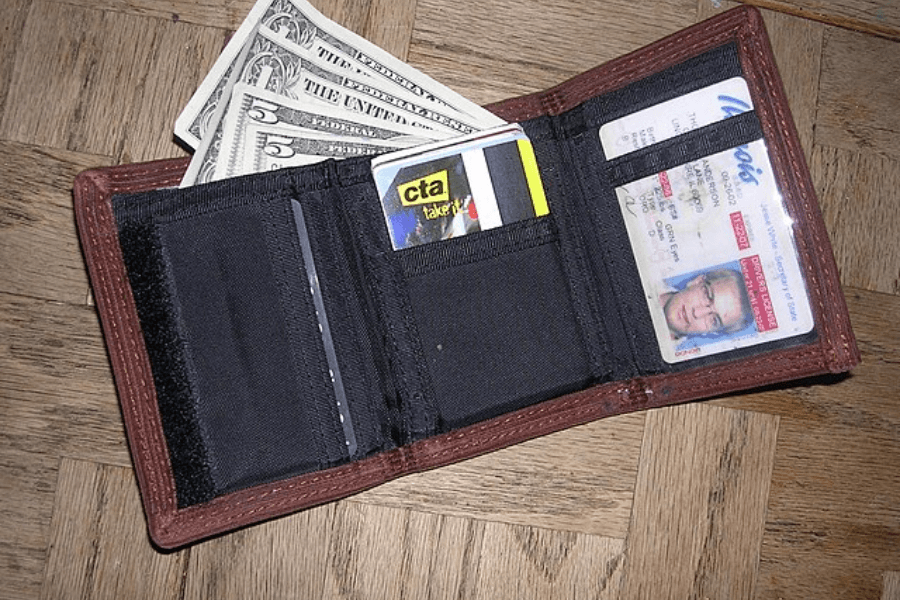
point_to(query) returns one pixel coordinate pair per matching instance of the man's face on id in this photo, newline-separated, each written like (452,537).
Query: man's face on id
(707,304)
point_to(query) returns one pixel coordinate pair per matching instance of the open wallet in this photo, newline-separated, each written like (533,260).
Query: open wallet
(273,351)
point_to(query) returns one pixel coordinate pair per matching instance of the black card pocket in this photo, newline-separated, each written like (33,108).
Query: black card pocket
(495,321)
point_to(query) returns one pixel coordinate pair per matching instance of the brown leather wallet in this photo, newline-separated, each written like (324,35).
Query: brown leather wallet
(447,350)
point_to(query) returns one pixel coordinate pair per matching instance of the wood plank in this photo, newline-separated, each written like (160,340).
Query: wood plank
(387,24)
(98,542)
(56,390)
(221,14)
(286,558)
(797,45)
(699,503)
(874,17)
(95,69)
(40,254)
(860,85)
(489,51)
(12,17)
(180,56)
(390,25)
(342,550)
(27,485)
(891,586)
(531,563)
(859,193)
(833,518)
(579,480)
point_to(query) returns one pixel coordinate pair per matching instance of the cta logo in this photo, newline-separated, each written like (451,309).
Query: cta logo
(428,189)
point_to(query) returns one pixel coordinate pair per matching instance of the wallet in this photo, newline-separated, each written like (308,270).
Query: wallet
(240,406)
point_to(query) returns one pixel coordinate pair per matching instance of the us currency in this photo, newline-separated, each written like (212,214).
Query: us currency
(270,61)
(254,106)
(268,147)
(308,32)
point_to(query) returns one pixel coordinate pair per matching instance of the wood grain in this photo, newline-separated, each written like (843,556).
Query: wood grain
(28,487)
(858,96)
(525,562)
(343,550)
(12,20)
(98,543)
(489,51)
(838,448)
(859,193)
(891,589)
(55,383)
(95,71)
(797,45)
(577,480)
(386,23)
(874,17)
(38,243)
(699,503)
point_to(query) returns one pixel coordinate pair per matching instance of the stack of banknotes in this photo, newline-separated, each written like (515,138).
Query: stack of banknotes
(293,87)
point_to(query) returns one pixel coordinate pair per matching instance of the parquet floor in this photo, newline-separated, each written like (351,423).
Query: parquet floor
(787,492)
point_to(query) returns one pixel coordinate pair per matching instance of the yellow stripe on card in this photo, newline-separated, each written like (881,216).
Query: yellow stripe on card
(533,177)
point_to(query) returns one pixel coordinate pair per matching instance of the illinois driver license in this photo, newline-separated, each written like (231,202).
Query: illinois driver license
(715,250)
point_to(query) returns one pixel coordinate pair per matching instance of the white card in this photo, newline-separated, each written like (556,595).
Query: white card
(715,251)
(674,117)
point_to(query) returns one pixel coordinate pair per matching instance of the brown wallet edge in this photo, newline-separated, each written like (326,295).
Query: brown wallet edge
(835,349)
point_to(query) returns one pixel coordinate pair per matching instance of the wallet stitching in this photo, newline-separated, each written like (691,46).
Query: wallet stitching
(561,412)
(147,436)
(753,48)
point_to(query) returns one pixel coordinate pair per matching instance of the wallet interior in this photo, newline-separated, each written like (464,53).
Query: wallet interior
(420,341)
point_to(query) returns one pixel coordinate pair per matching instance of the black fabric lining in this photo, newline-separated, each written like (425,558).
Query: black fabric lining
(498,334)
(410,409)
(719,64)
(585,296)
(169,203)
(688,147)
(608,252)
(300,324)
(151,287)
(351,322)
(477,246)
(263,394)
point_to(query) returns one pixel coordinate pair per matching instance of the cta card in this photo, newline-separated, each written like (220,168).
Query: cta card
(715,251)
(455,187)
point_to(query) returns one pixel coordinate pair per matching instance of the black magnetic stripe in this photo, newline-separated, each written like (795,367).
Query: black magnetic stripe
(509,182)
(704,141)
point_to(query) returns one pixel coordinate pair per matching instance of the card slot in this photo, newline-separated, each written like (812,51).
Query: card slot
(733,132)
(716,65)
(474,247)
(495,320)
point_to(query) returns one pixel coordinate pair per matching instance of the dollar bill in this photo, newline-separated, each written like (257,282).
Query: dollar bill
(255,106)
(220,154)
(268,147)
(302,32)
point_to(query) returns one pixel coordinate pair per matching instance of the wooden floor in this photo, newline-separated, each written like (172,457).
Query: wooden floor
(788,492)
